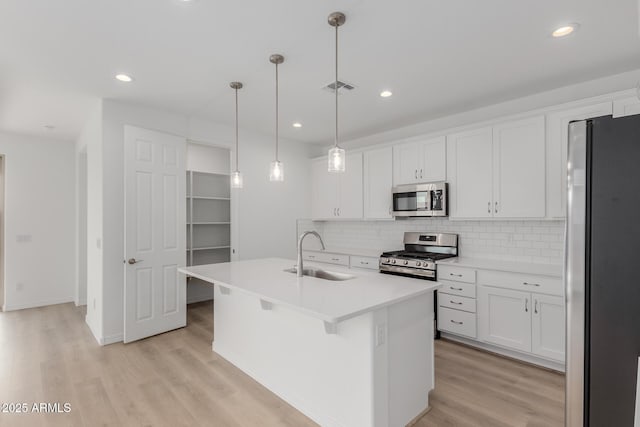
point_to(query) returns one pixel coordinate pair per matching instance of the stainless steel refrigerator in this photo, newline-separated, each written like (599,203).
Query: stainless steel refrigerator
(602,274)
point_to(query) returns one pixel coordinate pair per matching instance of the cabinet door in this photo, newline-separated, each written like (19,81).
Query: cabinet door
(407,160)
(350,188)
(505,317)
(378,180)
(434,160)
(324,197)
(519,169)
(547,328)
(557,145)
(471,180)
(626,107)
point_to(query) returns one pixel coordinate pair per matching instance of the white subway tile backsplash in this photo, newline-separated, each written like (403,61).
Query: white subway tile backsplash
(518,241)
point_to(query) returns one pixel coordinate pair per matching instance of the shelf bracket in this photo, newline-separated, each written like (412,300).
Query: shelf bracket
(266,305)
(224,290)
(330,328)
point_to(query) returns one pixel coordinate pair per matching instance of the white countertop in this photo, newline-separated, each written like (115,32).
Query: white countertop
(508,266)
(331,301)
(368,252)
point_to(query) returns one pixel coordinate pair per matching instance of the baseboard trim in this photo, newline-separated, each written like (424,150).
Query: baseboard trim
(97,336)
(511,354)
(112,339)
(35,304)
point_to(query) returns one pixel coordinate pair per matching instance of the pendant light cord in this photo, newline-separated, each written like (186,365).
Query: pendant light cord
(237,152)
(336,88)
(277,136)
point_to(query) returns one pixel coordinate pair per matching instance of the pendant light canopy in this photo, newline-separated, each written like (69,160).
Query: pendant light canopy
(276,172)
(236,176)
(336,154)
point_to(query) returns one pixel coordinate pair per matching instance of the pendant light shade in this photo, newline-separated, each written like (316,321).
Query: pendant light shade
(337,155)
(236,176)
(276,171)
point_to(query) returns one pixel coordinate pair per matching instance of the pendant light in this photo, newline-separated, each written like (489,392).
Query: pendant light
(336,154)
(236,176)
(276,173)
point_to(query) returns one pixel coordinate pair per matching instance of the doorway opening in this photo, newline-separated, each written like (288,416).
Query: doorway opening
(2,251)
(81,282)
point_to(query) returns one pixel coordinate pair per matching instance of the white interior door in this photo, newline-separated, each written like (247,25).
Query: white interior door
(155,233)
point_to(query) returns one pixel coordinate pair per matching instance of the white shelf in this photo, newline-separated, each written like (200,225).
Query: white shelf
(208,198)
(210,248)
(208,223)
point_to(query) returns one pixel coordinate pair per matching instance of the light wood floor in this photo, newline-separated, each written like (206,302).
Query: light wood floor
(48,355)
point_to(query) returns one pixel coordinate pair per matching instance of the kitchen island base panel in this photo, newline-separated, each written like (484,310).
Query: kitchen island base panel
(377,370)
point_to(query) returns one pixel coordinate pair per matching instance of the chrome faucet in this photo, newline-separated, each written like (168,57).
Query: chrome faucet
(299,268)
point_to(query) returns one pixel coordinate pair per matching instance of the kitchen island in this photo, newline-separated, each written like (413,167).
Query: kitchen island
(357,352)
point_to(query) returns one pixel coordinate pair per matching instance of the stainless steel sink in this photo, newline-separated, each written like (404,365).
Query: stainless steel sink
(322,274)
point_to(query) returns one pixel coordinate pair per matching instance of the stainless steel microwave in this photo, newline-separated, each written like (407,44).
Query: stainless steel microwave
(419,200)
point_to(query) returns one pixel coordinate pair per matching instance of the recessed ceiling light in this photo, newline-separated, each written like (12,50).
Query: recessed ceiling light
(565,30)
(297,125)
(386,93)
(124,78)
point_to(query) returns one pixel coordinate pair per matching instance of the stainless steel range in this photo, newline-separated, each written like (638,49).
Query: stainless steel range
(421,251)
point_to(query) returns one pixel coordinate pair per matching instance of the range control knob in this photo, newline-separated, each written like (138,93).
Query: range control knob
(406,262)
(418,263)
(387,260)
(393,261)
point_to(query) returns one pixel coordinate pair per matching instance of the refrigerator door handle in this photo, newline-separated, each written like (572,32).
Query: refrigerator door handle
(574,273)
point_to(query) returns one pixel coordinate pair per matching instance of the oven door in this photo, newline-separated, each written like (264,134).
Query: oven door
(412,200)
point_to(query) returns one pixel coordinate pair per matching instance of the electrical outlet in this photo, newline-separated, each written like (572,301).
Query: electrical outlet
(23,238)
(381,334)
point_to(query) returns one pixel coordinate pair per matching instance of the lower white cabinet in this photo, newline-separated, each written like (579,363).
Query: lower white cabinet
(505,317)
(522,321)
(548,327)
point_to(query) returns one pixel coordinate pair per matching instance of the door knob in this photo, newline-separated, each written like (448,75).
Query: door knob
(134,261)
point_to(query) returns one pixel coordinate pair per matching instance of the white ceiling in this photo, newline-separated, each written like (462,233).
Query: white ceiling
(437,56)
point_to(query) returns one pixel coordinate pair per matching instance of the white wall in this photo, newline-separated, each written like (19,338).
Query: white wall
(266,212)
(90,142)
(40,231)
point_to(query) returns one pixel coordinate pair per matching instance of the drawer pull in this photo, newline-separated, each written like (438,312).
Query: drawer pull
(335,259)
(456,275)
(526,305)
(457,323)
(455,289)
(535,310)
(364,263)
(454,302)
(310,256)
(530,284)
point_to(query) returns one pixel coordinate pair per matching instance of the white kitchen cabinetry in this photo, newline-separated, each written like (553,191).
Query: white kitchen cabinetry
(378,180)
(337,195)
(420,161)
(470,156)
(626,107)
(547,329)
(498,171)
(557,146)
(505,317)
(457,301)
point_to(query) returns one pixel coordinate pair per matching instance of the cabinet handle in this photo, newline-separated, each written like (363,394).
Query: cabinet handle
(488,207)
(454,302)
(338,211)
(526,305)
(530,284)
(455,289)
(420,173)
(457,323)
(334,211)
(496,207)
(456,275)
(535,309)
(415,174)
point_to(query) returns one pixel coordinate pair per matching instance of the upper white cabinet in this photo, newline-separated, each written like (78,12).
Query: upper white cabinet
(378,180)
(498,171)
(519,169)
(337,195)
(420,161)
(557,146)
(470,165)
(626,107)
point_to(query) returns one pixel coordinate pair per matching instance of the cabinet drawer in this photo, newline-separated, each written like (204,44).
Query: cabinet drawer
(364,262)
(521,282)
(457,274)
(457,322)
(327,257)
(456,288)
(457,302)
